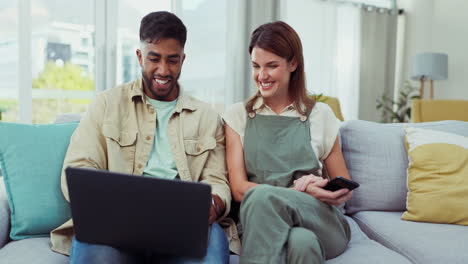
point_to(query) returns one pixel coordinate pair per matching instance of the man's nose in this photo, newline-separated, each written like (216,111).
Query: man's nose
(163,69)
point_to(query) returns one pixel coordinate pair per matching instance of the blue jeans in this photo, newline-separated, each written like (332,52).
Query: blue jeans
(217,252)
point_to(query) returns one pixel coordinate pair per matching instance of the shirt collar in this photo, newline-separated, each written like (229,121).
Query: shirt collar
(137,90)
(183,101)
(260,104)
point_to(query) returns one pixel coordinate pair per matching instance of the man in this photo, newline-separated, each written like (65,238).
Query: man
(148,127)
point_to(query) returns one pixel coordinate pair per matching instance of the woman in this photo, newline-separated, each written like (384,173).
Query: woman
(276,146)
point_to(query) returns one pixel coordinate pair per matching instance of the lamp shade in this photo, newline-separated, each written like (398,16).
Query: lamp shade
(432,66)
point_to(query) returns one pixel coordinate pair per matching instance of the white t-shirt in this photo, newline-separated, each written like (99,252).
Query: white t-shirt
(324,125)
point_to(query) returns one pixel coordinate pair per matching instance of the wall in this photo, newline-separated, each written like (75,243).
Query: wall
(438,26)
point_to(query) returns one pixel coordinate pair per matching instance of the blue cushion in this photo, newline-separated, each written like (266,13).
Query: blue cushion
(31,158)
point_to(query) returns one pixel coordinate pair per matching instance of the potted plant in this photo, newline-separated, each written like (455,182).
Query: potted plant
(398,111)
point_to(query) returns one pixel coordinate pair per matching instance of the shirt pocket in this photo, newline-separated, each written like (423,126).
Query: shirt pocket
(195,147)
(121,146)
(197,152)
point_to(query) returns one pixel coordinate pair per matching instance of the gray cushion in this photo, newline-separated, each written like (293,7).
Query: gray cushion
(31,250)
(376,158)
(4,215)
(362,250)
(423,243)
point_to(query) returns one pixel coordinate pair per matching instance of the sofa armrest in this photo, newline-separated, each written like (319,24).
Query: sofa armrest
(4,215)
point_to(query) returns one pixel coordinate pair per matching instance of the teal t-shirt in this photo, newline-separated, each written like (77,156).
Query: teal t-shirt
(161,162)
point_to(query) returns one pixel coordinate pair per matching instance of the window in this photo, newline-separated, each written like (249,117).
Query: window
(70,50)
(128,36)
(75,51)
(204,68)
(62,67)
(9,61)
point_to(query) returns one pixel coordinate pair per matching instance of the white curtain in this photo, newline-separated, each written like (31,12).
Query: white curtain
(347,59)
(400,54)
(349,51)
(378,53)
(217,69)
(243,16)
(330,34)
(204,69)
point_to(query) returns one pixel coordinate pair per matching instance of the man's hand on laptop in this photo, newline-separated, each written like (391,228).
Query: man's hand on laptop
(216,209)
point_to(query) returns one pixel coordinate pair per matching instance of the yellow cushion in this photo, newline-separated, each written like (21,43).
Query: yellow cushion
(437,177)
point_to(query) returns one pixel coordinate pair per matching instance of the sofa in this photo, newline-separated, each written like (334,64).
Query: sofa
(376,157)
(428,110)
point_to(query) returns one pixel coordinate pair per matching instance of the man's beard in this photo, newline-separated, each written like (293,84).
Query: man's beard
(153,90)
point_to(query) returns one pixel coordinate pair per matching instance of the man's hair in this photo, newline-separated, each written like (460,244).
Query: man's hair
(162,24)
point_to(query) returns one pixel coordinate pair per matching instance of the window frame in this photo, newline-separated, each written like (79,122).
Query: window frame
(105,49)
(105,24)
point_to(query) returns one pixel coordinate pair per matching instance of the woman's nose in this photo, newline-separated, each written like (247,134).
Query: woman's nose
(263,75)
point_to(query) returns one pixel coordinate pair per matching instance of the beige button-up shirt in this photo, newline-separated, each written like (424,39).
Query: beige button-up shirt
(117,134)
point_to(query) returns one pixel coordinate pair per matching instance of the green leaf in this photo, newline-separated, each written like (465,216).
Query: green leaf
(398,110)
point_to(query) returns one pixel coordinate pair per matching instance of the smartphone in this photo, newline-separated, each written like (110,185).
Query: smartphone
(340,183)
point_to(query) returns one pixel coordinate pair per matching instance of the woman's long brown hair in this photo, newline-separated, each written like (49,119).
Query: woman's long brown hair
(280,39)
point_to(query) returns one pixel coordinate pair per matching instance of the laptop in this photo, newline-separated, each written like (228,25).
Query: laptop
(167,217)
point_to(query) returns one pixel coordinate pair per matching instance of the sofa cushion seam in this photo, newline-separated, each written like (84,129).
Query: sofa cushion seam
(392,245)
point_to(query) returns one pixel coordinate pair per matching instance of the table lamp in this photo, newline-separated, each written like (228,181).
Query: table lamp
(429,66)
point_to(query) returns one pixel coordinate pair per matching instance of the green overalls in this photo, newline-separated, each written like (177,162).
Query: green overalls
(282,225)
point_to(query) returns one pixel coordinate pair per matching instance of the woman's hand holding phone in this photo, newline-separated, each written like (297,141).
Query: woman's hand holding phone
(315,186)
